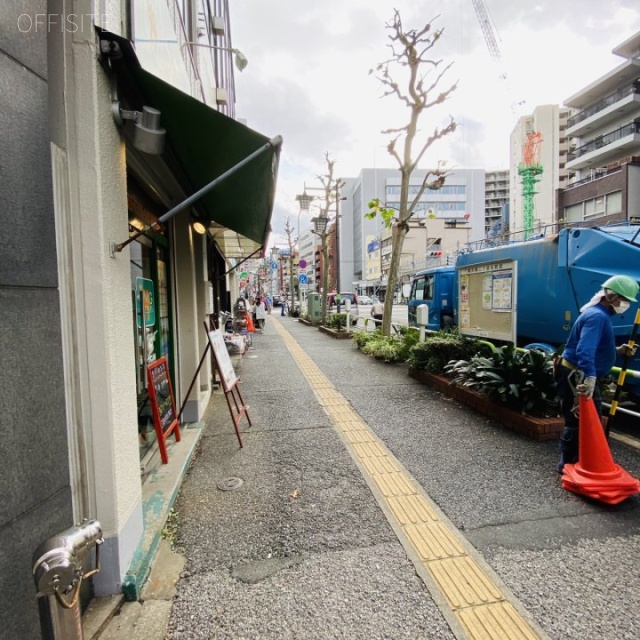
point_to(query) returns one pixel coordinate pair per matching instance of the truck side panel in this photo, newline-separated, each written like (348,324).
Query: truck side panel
(544,295)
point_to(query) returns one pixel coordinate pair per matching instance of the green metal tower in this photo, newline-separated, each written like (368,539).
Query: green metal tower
(530,170)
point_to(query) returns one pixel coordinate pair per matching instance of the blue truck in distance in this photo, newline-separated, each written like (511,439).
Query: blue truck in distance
(530,292)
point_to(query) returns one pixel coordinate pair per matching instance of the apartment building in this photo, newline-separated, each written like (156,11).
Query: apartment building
(496,202)
(604,160)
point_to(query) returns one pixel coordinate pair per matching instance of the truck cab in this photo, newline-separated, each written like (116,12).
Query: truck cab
(435,288)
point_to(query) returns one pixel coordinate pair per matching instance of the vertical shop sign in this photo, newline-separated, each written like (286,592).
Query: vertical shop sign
(145,293)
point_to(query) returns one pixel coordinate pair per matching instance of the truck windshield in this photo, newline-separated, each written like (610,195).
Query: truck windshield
(422,288)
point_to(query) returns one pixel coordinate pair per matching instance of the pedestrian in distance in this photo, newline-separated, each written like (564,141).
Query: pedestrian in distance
(283,307)
(377,309)
(251,309)
(268,302)
(261,314)
(588,356)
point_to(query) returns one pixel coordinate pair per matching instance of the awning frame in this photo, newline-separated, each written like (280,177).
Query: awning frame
(274,143)
(118,58)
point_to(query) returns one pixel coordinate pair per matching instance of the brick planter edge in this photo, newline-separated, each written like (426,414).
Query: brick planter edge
(538,429)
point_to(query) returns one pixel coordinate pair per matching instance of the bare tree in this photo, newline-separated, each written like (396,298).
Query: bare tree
(330,192)
(288,229)
(410,51)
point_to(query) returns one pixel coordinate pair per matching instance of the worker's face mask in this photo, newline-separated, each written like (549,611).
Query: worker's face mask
(623,306)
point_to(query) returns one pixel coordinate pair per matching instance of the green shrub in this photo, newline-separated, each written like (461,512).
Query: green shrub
(337,321)
(519,379)
(440,348)
(383,347)
(360,338)
(409,338)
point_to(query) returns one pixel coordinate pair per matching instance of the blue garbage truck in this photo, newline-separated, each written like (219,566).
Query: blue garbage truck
(529,292)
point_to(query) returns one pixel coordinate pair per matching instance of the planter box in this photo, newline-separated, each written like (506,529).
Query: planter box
(339,335)
(305,321)
(536,428)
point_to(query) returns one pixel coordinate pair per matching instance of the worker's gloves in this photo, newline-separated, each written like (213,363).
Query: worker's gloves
(587,387)
(626,350)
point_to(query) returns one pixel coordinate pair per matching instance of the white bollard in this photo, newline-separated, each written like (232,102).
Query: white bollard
(347,308)
(422,318)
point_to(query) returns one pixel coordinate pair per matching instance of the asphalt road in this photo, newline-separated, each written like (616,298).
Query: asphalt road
(399,315)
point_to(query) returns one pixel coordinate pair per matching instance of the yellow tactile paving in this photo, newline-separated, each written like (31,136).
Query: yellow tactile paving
(499,620)
(380,465)
(434,541)
(463,582)
(477,607)
(359,437)
(394,484)
(411,510)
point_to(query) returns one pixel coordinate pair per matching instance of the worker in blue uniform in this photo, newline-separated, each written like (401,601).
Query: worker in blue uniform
(588,356)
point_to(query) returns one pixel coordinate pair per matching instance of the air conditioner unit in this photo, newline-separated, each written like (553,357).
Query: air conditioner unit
(221,95)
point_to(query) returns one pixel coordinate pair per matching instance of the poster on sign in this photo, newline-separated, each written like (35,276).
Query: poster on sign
(163,405)
(223,361)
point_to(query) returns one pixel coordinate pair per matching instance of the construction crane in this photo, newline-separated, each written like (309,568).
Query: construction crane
(530,168)
(487,32)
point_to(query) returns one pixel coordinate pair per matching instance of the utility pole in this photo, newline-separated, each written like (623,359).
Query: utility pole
(339,184)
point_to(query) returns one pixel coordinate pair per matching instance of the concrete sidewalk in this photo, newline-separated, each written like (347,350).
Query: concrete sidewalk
(294,537)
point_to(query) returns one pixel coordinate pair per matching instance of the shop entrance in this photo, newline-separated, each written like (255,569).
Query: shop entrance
(151,322)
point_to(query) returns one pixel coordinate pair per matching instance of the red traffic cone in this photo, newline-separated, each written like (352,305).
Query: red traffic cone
(596,475)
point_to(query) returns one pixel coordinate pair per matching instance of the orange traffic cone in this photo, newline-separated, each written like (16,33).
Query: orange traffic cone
(596,475)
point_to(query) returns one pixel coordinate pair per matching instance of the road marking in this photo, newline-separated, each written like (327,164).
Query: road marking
(470,595)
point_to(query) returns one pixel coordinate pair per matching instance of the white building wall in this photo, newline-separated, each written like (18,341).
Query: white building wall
(379,183)
(89,165)
(159,45)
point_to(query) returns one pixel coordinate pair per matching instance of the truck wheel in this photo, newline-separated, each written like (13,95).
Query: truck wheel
(540,346)
(447,322)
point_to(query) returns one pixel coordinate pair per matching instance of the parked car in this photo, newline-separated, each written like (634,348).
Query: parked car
(277,301)
(332,306)
(365,300)
(344,296)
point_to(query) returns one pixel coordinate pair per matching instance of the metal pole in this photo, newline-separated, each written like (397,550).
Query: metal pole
(623,373)
(338,288)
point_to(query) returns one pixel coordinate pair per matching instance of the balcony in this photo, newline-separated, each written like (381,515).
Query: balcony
(606,148)
(622,101)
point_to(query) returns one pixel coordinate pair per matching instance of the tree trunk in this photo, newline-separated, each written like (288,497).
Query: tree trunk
(325,278)
(396,252)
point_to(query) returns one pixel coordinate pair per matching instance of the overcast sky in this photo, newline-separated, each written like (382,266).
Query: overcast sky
(308,77)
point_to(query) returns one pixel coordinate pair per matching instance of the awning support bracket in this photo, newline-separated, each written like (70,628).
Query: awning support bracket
(273,143)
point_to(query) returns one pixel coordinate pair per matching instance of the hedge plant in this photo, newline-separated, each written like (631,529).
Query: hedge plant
(441,347)
(388,348)
(519,379)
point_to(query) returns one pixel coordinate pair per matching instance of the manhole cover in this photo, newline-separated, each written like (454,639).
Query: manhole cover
(230,484)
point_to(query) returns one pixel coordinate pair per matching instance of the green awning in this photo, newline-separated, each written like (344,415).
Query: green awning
(205,144)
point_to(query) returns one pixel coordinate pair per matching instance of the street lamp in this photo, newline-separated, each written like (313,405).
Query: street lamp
(320,228)
(240,59)
(304,200)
